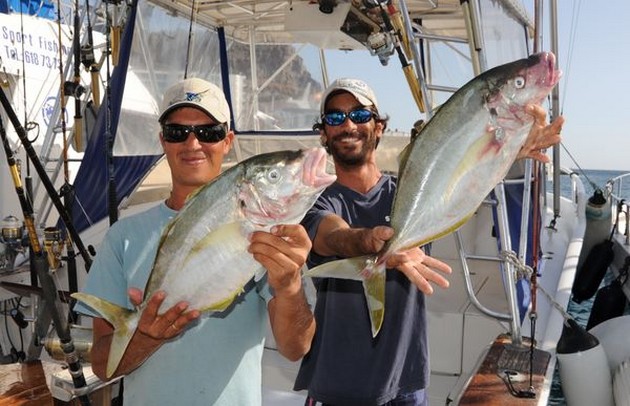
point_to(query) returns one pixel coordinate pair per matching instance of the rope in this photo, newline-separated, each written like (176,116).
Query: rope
(525,271)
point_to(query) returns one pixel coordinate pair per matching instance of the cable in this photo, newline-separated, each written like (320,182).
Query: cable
(192,12)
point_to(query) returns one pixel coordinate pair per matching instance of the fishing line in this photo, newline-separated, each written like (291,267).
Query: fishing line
(192,13)
(572,39)
(582,172)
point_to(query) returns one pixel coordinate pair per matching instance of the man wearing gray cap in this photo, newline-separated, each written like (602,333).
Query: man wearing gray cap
(176,356)
(345,365)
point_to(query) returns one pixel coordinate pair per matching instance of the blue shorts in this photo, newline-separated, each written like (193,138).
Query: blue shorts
(417,398)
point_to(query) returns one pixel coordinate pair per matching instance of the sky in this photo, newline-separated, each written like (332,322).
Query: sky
(594,55)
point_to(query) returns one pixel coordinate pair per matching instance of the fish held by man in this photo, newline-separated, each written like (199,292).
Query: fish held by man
(447,170)
(202,257)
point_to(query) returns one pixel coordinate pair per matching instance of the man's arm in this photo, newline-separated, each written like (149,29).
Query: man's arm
(283,253)
(153,330)
(335,237)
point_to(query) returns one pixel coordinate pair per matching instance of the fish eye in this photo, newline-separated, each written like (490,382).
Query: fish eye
(519,82)
(273,175)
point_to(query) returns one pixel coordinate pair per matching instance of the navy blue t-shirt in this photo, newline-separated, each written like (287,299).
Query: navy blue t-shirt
(345,365)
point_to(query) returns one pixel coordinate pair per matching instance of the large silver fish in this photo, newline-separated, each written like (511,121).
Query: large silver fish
(451,166)
(202,256)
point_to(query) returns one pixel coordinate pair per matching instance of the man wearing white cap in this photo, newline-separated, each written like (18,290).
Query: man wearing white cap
(346,366)
(218,359)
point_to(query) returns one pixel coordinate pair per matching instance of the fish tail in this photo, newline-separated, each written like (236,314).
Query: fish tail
(369,272)
(123,320)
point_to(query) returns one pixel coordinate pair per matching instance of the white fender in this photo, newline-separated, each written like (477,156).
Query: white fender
(598,213)
(614,336)
(586,378)
(621,384)
(583,366)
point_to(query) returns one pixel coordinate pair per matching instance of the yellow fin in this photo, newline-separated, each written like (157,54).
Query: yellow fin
(349,268)
(373,283)
(374,289)
(123,320)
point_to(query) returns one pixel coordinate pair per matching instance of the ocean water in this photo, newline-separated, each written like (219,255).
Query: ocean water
(580,312)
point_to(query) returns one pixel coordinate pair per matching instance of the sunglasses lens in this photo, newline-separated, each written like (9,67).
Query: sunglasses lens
(175,133)
(334,118)
(360,116)
(204,133)
(210,133)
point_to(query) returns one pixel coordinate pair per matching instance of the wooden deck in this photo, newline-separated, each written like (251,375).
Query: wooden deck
(24,384)
(489,387)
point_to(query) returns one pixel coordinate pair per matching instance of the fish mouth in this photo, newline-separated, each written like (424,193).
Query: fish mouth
(314,173)
(554,74)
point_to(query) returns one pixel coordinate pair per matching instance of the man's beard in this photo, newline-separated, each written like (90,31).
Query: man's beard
(352,158)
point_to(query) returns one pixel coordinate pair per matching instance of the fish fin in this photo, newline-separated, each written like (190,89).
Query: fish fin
(404,156)
(224,304)
(227,231)
(371,275)
(439,235)
(123,320)
(349,268)
(374,289)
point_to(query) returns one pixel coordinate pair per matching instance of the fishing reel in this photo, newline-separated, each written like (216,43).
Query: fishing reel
(381,45)
(327,6)
(73,89)
(12,231)
(53,244)
(376,3)
(88,60)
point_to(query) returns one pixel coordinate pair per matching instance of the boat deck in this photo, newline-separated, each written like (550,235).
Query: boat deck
(490,385)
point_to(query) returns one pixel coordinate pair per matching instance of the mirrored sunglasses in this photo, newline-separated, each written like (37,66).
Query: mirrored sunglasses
(204,132)
(358,116)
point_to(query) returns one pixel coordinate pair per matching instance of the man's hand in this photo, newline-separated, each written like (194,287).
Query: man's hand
(282,252)
(161,326)
(372,240)
(541,136)
(421,269)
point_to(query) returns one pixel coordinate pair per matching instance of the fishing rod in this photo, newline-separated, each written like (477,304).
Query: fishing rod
(407,67)
(109,137)
(41,171)
(74,88)
(67,190)
(40,262)
(89,61)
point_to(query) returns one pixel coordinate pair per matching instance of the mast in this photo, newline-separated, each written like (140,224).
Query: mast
(555,108)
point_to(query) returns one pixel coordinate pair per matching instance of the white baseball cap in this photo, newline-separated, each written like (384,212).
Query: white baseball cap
(196,93)
(358,88)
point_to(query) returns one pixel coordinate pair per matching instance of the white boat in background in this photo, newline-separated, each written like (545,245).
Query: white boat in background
(273,59)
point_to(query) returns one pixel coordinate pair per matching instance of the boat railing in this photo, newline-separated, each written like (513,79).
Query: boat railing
(508,269)
(510,263)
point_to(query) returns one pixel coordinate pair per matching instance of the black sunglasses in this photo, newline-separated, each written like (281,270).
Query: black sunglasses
(358,116)
(204,132)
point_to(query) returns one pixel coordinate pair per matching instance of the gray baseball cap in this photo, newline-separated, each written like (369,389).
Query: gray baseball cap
(358,88)
(197,93)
